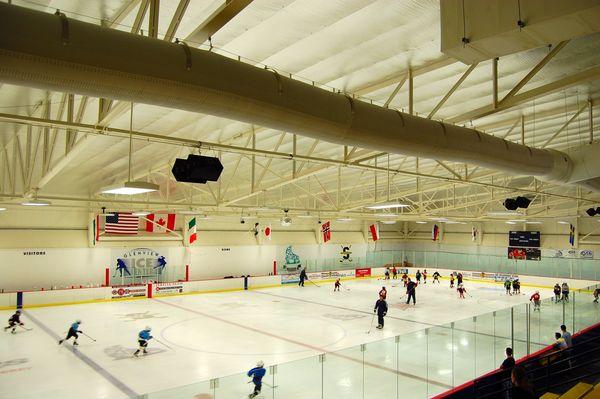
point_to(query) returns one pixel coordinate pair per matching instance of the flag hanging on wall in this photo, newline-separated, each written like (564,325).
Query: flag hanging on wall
(326,229)
(192,230)
(268,232)
(571,234)
(160,222)
(121,223)
(374,232)
(474,233)
(435,232)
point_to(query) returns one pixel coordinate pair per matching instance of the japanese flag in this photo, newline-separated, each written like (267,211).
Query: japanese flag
(160,222)
(268,232)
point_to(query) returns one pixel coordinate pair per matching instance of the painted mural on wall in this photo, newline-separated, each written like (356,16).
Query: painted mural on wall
(137,265)
(345,254)
(292,260)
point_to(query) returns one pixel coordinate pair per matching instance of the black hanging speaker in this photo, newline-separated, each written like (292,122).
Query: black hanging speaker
(591,212)
(523,202)
(197,169)
(511,204)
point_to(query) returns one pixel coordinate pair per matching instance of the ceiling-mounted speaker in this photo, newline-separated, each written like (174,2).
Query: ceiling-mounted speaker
(197,169)
(510,204)
(598,210)
(591,212)
(523,202)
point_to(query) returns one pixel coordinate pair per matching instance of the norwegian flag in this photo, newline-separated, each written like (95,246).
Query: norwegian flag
(435,232)
(326,229)
(374,232)
(162,222)
(268,232)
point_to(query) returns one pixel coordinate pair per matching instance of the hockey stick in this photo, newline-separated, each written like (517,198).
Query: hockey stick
(265,383)
(310,281)
(25,328)
(162,343)
(371,326)
(89,337)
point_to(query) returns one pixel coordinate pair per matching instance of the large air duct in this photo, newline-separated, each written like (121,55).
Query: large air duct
(52,52)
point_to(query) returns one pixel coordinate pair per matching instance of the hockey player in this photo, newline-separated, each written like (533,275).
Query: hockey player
(459,278)
(387,273)
(405,278)
(383,293)
(381,309)
(516,287)
(394,273)
(257,374)
(425,276)
(536,301)
(14,320)
(565,292)
(596,295)
(302,277)
(411,287)
(452,280)
(337,285)
(73,331)
(436,277)
(557,292)
(143,338)
(418,276)
(461,291)
(507,286)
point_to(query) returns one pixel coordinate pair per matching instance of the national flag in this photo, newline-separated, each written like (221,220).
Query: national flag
(571,234)
(374,232)
(268,232)
(435,232)
(163,222)
(121,223)
(474,233)
(192,230)
(326,229)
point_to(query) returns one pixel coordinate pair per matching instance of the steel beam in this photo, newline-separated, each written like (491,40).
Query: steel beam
(452,90)
(217,20)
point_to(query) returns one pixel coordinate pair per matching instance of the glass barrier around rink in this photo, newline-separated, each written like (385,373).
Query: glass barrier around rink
(420,364)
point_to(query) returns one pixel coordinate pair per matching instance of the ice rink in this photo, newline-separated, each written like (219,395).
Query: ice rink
(221,334)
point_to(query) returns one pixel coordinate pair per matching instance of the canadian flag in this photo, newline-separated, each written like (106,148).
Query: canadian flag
(162,222)
(268,232)
(374,232)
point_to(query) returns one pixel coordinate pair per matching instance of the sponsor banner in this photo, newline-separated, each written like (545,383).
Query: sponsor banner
(364,272)
(330,274)
(128,292)
(572,253)
(290,278)
(524,253)
(490,276)
(168,288)
(137,263)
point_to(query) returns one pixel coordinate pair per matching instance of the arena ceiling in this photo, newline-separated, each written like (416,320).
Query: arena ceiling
(65,147)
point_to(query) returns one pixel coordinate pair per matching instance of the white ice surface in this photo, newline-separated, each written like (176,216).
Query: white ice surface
(224,334)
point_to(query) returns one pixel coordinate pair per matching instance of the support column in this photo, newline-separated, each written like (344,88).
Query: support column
(495,82)
(523,129)
(591,119)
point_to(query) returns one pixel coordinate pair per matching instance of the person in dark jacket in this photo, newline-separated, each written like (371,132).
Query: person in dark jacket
(381,309)
(411,287)
(521,388)
(14,321)
(302,277)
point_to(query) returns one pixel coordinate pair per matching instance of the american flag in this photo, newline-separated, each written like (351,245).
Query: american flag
(121,223)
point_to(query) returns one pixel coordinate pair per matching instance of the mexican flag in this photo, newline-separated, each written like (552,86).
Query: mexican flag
(192,230)
(160,222)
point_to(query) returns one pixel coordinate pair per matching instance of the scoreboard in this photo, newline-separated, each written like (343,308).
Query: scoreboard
(529,239)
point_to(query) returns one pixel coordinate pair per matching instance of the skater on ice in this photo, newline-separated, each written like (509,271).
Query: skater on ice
(459,278)
(383,293)
(302,277)
(425,276)
(436,277)
(536,301)
(381,309)
(596,295)
(394,273)
(257,374)
(405,278)
(557,292)
(411,287)
(418,276)
(452,280)
(337,285)
(143,338)
(507,286)
(387,273)
(73,331)
(516,287)
(14,321)
(565,292)
(461,291)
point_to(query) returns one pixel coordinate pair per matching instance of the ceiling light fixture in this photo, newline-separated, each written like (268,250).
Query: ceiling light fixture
(141,213)
(533,222)
(306,216)
(131,187)
(386,215)
(563,222)
(388,221)
(2,209)
(503,213)
(36,202)
(345,219)
(510,222)
(421,222)
(387,205)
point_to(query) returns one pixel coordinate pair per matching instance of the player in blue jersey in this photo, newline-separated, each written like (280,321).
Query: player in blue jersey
(143,338)
(73,331)
(257,374)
